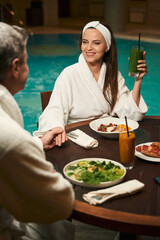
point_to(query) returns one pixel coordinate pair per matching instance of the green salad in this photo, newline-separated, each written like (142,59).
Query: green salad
(94,172)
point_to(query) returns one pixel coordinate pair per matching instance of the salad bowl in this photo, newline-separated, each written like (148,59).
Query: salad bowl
(75,167)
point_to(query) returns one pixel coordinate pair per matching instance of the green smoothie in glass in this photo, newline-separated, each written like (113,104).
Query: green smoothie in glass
(135,55)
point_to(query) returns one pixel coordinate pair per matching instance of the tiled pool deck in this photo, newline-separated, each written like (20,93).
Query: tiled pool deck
(148,33)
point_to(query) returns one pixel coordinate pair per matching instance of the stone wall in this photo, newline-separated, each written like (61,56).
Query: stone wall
(121,12)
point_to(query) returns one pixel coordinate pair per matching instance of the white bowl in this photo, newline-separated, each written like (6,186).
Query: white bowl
(94,125)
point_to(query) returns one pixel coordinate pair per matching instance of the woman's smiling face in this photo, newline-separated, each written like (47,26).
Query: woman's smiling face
(93,46)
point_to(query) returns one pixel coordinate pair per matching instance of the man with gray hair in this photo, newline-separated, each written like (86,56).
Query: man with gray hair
(35,200)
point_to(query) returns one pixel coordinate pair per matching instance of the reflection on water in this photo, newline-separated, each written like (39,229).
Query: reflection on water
(52,50)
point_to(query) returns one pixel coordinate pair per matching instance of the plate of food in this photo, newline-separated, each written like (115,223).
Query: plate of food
(149,151)
(94,172)
(110,127)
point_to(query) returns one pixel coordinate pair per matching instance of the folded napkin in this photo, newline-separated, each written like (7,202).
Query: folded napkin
(123,189)
(82,139)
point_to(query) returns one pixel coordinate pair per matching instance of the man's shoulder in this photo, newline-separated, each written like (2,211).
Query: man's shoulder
(11,131)
(14,137)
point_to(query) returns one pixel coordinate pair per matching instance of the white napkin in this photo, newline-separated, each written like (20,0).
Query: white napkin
(82,139)
(123,189)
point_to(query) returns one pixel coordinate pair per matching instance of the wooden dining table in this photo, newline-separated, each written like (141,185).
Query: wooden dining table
(137,214)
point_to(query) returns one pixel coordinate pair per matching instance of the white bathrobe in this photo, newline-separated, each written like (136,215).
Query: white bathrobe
(29,189)
(77,96)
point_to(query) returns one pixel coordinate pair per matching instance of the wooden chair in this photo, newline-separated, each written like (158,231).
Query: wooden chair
(45,96)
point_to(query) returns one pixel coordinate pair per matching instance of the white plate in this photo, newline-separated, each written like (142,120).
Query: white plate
(145,157)
(101,185)
(96,123)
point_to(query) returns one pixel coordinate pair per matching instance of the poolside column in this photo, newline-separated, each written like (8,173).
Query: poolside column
(50,10)
(115,14)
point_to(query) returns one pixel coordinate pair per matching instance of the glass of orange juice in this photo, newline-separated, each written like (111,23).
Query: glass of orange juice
(127,149)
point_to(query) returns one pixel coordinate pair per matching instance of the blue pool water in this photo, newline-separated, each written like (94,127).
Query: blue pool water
(49,54)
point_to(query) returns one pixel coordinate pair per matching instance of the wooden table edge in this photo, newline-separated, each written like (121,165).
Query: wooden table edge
(82,123)
(116,220)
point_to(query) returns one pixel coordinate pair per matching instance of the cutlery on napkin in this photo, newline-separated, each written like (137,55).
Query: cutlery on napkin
(123,189)
(82,139)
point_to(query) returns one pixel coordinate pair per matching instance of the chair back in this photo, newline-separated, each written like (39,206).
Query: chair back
(45,96)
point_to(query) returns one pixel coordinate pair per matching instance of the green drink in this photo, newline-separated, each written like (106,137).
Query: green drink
(135,55)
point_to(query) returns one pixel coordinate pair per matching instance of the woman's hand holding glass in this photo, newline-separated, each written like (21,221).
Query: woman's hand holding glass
(142,68)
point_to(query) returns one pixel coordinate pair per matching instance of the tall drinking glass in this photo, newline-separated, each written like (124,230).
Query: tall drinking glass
(127,149)
(135,55)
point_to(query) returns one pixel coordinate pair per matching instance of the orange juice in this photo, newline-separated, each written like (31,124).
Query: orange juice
(127,149)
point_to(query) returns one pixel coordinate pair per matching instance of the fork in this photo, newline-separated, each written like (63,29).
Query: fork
(72,135)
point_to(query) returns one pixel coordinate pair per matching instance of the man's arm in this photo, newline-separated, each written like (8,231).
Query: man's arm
(32,191)
(56,136)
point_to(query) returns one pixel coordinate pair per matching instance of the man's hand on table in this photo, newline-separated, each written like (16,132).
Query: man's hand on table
(55,137)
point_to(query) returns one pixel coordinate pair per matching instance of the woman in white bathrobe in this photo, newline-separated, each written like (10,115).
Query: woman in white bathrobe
(93,87)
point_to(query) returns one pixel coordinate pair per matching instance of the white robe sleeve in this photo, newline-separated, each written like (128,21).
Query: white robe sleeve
(31,190)
(125,105)
(30,187)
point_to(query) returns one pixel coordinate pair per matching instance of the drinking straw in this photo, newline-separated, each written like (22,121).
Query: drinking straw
(139,41)
(127,126)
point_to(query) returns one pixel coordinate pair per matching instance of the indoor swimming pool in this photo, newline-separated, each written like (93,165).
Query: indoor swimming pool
(49,54)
